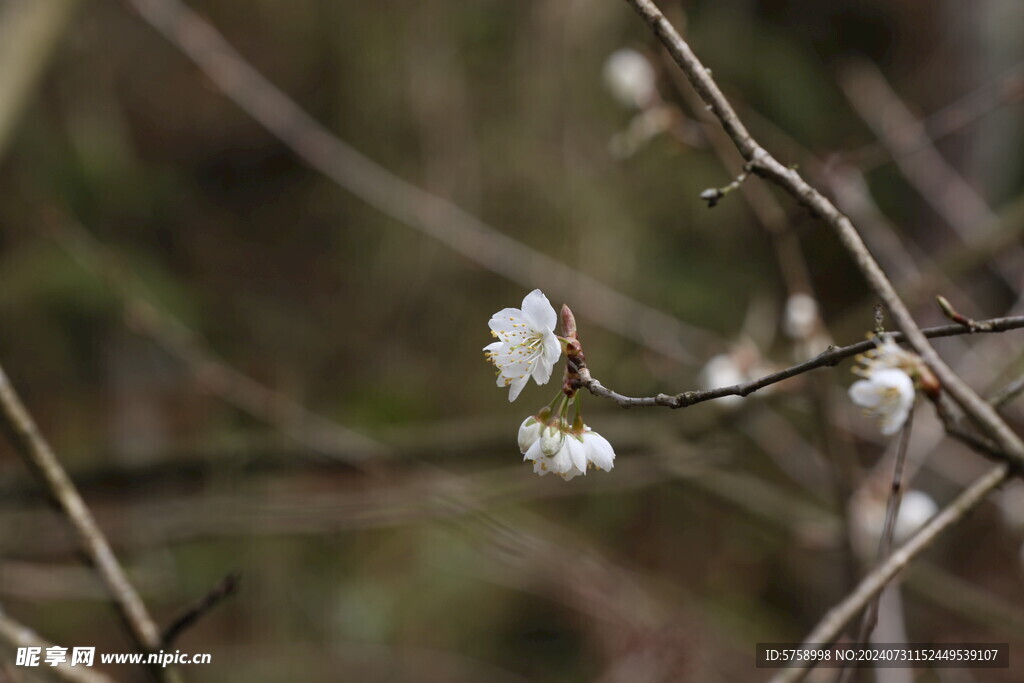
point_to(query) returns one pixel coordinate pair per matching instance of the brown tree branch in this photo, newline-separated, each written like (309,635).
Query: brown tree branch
(830,626)
(827,358)
(764,164)
(223,589)
(30,30)
(430,214)
(21,430)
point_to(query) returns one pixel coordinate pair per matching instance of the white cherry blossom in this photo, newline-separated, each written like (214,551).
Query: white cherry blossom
(557,448)
(527,346)
(888,394)
(570,460)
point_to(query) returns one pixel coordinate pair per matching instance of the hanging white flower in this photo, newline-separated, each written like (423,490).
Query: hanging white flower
(568,460)
(867,516)
(559,449)
(527,346)
(630,78)
(888,394)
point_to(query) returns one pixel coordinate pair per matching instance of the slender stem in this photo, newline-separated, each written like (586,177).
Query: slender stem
(835,619)
(885,541)
(21,430)
(830,357)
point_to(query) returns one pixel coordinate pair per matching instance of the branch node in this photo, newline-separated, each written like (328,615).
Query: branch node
(951,313)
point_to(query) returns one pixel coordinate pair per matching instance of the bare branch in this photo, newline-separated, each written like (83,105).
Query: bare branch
(432,215)
(827,358)
(321,434)
(829,628)
(951,313)
(224,588)
(23,433)
(892,511)
(29,32)
(764,164)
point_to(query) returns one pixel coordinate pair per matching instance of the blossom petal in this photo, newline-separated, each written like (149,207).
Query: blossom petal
(599,452)
(505,319)
(865,393)
(516,387)
(534,452)
(572,473)
(537,307)
(552,349)
(577,453)
(529,432)
(541,371)
(541,467)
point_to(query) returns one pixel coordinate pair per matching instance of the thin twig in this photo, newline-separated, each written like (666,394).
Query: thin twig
(1008,393)
(829,628)
(1006,88)
(322,435)
(827,358)
(764,164)
(885,542)
(960,319)
(18,636)
(224,588)
(23,433)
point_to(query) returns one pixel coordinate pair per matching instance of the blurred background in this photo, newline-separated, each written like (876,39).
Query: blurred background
(260,352)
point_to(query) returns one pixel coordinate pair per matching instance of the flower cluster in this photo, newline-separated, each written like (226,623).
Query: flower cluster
(527,346)
(566,450)
(888,388)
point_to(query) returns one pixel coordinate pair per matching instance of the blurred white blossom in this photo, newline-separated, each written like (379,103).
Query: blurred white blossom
(631,78)
(867,515)
(801,316)
(722,371)
(742,363)
(886,394)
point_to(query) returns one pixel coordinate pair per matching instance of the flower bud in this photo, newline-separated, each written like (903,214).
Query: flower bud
(529,432)
(551,439)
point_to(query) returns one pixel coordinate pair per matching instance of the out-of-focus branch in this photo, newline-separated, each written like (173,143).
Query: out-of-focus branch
(314,431)
(830,357)
(29,31)
(1006,88)
(16,635)
(21,430)
(832,623)
(406,203)
(935,179)
(224,588)
(764,164)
